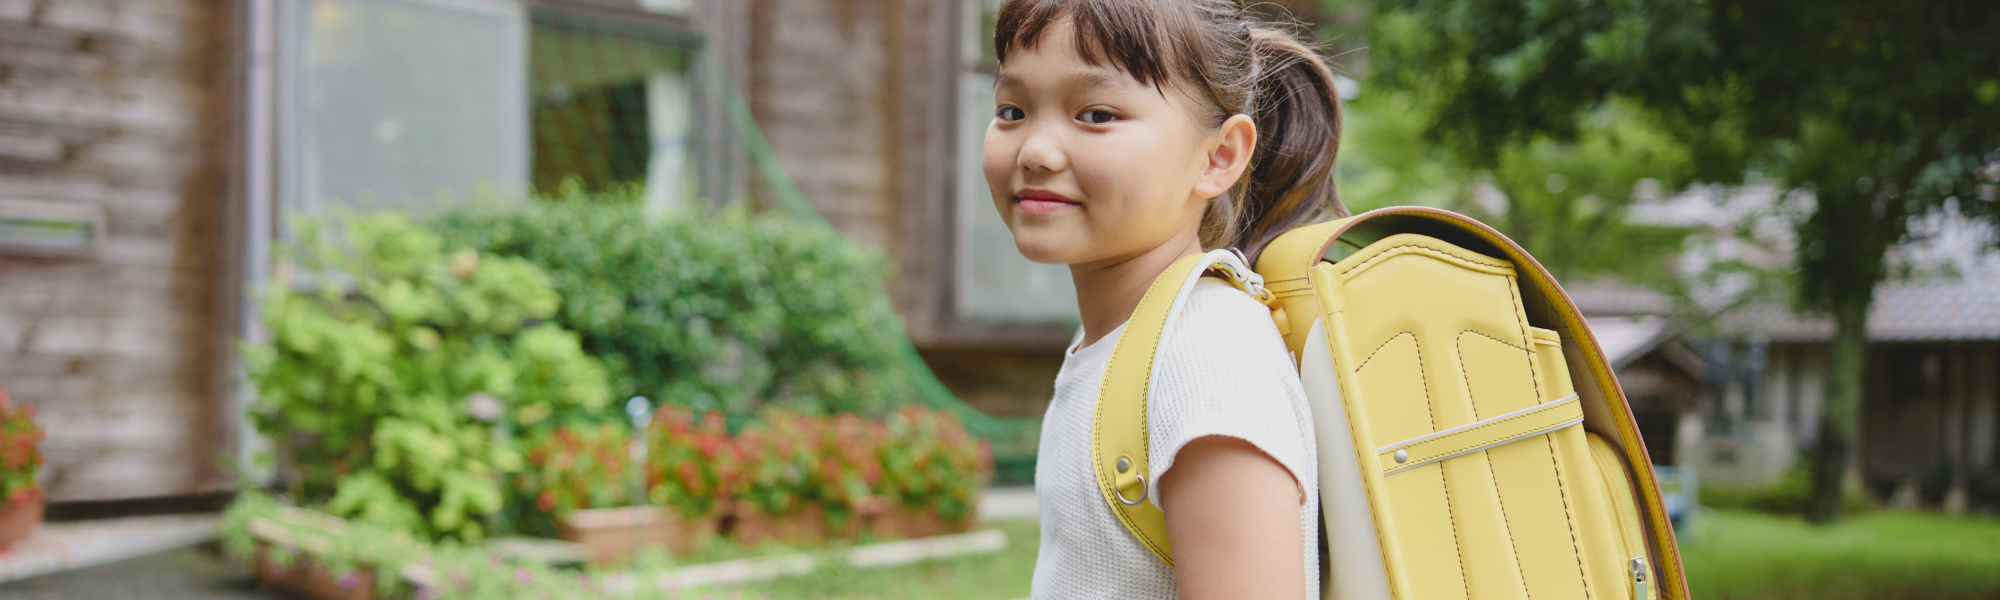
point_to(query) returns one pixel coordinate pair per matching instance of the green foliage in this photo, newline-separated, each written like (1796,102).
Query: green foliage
(1883,110)
(687,464)
(20,455)
(1791,495)
(383,347)
(1887,554)
(1563,201)
(929,461)
(711,310)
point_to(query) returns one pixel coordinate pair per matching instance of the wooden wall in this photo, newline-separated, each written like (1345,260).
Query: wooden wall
(115,103)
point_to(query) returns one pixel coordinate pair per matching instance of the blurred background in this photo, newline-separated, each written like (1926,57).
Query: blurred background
(403,262)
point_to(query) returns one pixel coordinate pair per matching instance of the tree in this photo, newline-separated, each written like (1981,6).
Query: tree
(1882,110)
(1563,201)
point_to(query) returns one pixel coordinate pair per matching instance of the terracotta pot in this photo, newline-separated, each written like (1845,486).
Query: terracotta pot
(900,522)
(615,534)
(805,526)
(18,521)
(309,578)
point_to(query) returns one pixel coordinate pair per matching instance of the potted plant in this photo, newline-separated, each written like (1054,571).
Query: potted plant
(20,466)
(932,472)
(584,477)
(689,463)
(780,487)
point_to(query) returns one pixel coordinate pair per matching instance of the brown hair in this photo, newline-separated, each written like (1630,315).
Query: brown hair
(1229,63)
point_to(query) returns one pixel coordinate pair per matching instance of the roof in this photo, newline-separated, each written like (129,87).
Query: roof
(1623,338)
(1937,309)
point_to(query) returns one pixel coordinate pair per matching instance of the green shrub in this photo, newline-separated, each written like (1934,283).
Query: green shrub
(1881,555)
(1791,494)
(707,309)
(377,366)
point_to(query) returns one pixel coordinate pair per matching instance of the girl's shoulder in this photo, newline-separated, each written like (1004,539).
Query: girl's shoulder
(1223,325)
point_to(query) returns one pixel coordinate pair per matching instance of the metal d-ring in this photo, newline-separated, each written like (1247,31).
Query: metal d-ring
(1115,490)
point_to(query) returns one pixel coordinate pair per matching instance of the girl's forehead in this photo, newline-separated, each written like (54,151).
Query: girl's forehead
(1054,59)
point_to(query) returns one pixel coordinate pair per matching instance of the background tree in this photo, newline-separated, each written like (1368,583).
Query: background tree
(1882,110)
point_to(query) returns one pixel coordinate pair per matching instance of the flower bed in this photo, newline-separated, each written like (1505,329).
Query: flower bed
(790,478)
(20,465)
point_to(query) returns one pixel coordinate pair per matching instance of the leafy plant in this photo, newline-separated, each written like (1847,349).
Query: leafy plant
(689,461)
(20,459)
(930,461)
(394,369)
(780,463)
(576,468)
(706,309)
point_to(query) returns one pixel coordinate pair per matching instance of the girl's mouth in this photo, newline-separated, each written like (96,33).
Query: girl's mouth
(1040,202)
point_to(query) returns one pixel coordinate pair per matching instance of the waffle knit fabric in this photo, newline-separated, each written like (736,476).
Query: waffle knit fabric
(1224,371)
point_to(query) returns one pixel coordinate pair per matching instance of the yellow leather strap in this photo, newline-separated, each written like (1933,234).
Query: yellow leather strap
(1118,429)
(1119,440)
(1480,435)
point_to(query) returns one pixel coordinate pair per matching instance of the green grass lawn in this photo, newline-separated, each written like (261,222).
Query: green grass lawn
(1877,556)
(1731,556)
(1002,575)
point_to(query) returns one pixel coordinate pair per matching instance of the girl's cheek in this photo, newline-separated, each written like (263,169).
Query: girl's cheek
(997,158)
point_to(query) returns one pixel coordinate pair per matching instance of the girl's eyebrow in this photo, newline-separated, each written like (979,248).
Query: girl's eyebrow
(1079,80)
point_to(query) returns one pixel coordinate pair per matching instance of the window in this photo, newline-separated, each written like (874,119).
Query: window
(394,103)
(411,104)
(993,283)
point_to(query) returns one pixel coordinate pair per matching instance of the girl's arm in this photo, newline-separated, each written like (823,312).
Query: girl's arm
(1233,515)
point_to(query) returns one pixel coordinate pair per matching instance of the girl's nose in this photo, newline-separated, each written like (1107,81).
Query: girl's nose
(1041,152)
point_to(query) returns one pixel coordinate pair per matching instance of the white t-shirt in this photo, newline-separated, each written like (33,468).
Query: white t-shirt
(1224,371)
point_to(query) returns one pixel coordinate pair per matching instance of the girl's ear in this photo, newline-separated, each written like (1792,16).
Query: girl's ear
(1229,154)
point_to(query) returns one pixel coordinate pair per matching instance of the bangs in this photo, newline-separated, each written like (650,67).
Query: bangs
(1129,35)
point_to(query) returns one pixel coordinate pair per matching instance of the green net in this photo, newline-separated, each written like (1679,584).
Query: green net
(630,105)
(1013,438)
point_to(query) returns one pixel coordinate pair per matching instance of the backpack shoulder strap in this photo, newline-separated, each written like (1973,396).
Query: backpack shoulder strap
(1118,428)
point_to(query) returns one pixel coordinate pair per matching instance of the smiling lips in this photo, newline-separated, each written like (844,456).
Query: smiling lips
(1039,202)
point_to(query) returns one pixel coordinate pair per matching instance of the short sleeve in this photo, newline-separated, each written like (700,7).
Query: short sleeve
(1225,371)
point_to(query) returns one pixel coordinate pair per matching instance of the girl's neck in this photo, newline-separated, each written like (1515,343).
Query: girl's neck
(1107,291)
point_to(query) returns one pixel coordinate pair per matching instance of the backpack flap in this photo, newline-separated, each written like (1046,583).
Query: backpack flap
(1432,352)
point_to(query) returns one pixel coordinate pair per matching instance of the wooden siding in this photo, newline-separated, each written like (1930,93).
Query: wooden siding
(114,103)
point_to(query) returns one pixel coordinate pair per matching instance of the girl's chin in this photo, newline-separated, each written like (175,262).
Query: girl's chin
(1047,251)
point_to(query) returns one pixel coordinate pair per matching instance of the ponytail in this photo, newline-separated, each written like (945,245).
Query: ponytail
(1290,182)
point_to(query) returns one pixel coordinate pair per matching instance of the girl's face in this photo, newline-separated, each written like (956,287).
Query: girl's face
(1086,164)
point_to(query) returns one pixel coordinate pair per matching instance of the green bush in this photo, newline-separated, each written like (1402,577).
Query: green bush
(384,350)
(1878,556)
(710,309)
(1791,494)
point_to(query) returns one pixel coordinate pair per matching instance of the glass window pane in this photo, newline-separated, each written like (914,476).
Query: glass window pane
(398,103)
(611,107)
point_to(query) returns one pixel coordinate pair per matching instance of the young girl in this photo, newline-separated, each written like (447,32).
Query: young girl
(1130,133)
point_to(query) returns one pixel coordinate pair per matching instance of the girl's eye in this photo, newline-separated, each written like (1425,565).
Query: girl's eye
(1097,116)
(1009,113)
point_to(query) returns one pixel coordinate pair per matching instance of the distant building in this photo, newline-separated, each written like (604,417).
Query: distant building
(1735,392)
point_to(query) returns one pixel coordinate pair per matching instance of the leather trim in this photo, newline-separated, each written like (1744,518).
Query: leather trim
(1480,435)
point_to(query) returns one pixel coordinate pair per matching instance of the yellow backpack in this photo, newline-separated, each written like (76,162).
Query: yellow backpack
(1473,442)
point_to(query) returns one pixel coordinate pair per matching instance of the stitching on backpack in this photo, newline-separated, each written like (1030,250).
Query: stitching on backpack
(1500,341)
(1508,525)
(1390,252)
(1385,344)
(1451,514)
(1498,497)
(1515,291)
(1569,517)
